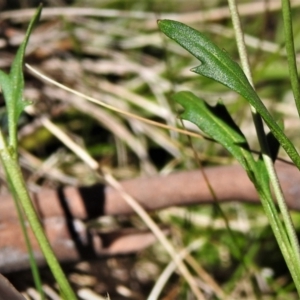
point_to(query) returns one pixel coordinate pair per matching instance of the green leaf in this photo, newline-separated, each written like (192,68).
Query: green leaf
(217,64)
(218,124)
(13,84)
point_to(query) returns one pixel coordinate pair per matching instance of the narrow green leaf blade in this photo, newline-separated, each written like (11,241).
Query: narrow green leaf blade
(218,124)
(217,64)
(5,84)
(6,87)
(14,102)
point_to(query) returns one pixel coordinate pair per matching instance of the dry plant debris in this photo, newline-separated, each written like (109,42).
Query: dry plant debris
(115,53)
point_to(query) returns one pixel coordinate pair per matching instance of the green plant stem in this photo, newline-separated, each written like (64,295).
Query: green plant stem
(292,257)
(290,51)
(32,260)
(15,178)
(280,235)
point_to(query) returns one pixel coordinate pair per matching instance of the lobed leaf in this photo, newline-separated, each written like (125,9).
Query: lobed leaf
(217,64)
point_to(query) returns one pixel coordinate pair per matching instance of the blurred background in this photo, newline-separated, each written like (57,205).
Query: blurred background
(114,52)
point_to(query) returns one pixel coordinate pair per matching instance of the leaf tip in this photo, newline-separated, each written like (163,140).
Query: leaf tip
(198,69)
(161,24)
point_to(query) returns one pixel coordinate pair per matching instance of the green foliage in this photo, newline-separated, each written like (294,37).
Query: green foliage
(218,124)
(217,64)
(12,86)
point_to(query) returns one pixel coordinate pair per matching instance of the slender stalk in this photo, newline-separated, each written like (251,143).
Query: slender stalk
(292,256)
(32,260)
(290,51)
(15,178)
(33,264)
(280,235)
(12,85)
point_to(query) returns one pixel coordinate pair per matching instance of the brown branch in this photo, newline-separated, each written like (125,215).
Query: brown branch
(62,210)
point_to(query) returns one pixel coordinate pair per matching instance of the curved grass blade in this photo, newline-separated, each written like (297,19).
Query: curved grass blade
(13,85)
(217,64)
